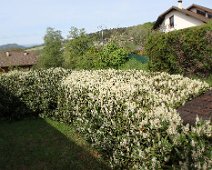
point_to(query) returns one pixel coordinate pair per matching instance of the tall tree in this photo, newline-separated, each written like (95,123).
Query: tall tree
(77,46)
(51,55)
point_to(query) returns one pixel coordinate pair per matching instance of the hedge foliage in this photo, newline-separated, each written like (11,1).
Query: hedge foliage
(26,93)
(187,51)
(129,116)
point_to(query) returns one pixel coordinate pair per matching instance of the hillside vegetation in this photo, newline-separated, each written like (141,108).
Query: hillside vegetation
(132,38)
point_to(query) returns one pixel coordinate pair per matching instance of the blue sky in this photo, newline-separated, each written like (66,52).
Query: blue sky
(25,21)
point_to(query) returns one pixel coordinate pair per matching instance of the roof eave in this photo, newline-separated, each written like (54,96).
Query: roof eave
(162,16)
(188,13)
(200,7)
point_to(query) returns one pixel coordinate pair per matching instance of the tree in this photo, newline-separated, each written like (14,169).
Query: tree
(112,56)
(51,55)
(78,45)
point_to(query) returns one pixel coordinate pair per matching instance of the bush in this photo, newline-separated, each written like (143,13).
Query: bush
(112,56)
(24,93)
(186,51)
(129,116)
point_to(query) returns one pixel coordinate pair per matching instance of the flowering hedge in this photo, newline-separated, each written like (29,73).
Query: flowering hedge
(29,93)
(129,116)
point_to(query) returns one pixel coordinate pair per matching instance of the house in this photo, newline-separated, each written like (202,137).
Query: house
(17,59)
(177,18)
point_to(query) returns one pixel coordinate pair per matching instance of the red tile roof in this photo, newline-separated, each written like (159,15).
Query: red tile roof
(17,58)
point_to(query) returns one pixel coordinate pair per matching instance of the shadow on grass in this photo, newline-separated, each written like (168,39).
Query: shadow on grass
(38,144)
(11,107)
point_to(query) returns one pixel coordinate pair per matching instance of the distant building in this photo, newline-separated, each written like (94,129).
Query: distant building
(17,59)
(177,18)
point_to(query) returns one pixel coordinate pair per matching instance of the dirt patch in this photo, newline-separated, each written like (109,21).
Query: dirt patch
(201,106)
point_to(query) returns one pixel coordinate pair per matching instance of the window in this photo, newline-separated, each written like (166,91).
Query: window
(210,16)
(200,12)
(171,21)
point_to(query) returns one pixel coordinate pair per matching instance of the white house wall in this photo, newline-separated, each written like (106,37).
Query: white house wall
(180,21)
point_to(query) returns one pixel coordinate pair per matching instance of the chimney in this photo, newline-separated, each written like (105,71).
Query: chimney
(25,53)
(180,4)
(7,54)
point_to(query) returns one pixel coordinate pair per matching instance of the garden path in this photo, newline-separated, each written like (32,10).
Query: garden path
(201,106)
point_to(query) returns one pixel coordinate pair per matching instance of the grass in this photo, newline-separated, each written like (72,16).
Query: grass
(134,64)
(209,80)
(45,144)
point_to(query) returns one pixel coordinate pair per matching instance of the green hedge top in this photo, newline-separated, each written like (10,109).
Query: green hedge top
(187,51)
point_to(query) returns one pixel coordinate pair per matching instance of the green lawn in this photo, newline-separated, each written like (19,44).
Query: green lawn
(209,80)
(44,144)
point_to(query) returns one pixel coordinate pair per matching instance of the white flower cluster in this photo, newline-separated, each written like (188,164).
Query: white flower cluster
(130,114)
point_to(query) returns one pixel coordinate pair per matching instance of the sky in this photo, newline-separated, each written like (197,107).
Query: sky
(25,21)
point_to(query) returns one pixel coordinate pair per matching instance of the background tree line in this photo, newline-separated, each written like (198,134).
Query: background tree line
(88,51)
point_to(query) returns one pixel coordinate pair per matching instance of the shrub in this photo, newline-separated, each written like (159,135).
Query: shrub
(112,56)
(24,93)
(130,116)
(186,51)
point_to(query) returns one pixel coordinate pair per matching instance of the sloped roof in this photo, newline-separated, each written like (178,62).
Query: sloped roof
(200,7)
(17,58)
(184,11)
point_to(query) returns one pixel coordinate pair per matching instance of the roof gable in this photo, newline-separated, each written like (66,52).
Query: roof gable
(184,11)
(200,7)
